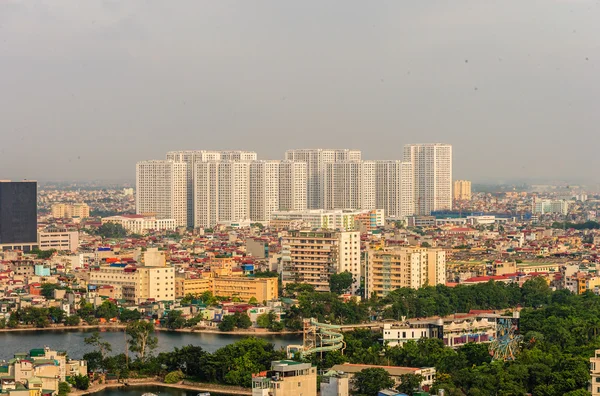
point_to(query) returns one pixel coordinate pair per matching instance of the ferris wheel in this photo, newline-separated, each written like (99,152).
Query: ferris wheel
(505,345)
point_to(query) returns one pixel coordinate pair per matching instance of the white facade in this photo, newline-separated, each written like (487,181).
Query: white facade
(59,240)
(545,206)
(191,157)
(238,155)
(432,172)
(350,185)
(264,190)
(139,224)
(394,188)
(292,185)
(316,161)
(162,189)
(325,219)
(222,192)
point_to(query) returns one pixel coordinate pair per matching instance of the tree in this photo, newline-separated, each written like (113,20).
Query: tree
(263,320)
(141,338)
(81,382)
(173,377)
(340,283)
(227,323)
(72,320)
(56,314)
(128,315)
(43,254)
(64,388)
(536,292)
(175,320)
(253,301)
(425,244)
(48,290)
(409,383)
(369,382)
(94,360)
(98,342)
(242,320)
(107,310)
(112,230)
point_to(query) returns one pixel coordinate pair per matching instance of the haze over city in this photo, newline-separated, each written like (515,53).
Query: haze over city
(90,88)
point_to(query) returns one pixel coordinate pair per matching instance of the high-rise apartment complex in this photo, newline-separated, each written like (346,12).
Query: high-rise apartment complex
(350,185)
(394,188)
(18,215)
(222,192)
(546,206)
(432,174)
(316,161)
(162,190)
(292,185)
(413,267)
(67,211)
(191,157)
(264,189)
(462,190)
(312,256)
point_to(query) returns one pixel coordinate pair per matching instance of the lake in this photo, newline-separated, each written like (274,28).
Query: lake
(158,390)
(72,341)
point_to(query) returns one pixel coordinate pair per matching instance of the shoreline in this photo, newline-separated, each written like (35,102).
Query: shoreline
(119,327)
(221,389)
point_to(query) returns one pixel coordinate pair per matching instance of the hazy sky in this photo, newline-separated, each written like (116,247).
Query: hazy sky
(89,87)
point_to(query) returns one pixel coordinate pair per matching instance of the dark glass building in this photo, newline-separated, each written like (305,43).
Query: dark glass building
(18,214)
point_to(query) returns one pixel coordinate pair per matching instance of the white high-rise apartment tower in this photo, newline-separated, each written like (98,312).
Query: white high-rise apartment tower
(316,163)
(292,185)
(394,188)
(191,157)
(222,192)
(432,172)
(161,188)
(350,185)
(264,190)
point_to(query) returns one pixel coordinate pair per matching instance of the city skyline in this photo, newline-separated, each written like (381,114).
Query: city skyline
(90,89)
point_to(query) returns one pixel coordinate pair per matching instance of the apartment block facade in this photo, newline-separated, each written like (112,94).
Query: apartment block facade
(462,190)
(316,162)
(391,268)
(264,190)
(222,192)
(312,256)
(394,185)
(350,185)
(432,175)
(292,185)
(161,190)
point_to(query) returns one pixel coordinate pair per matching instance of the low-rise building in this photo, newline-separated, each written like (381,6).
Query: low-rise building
(39,372)
(391,268)
(286,378)
(58,239)
(395,372)
(141,224)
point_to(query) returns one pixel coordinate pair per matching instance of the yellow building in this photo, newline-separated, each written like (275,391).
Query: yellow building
(286,378)
(312,256)
(136,284)
(67,211)
(263,289)
(595,373)
(391,268)
(462,190)
(40,371)
(193,286)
